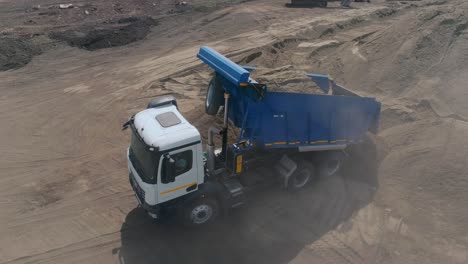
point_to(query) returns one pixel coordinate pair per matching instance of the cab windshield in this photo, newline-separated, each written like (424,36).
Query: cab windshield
(144,161)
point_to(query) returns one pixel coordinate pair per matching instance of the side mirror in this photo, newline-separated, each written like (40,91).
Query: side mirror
(168,170)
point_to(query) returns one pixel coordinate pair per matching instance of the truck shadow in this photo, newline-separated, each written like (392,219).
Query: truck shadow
(272,228)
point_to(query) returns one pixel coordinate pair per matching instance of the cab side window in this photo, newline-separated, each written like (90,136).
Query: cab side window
(183,162)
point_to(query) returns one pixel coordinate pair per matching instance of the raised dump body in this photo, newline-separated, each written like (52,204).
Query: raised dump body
(293,120)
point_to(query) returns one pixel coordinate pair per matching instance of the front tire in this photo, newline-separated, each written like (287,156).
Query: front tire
(201,212)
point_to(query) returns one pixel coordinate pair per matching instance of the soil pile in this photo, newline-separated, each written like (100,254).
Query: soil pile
(16,52)
(418,67)
(414,59)
(125,31)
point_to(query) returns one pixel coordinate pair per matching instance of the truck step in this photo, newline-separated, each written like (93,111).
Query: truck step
(236,192)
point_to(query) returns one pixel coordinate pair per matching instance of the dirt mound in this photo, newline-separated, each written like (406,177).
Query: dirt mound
(15,52)
(415,64)
(125,31)
(67,197)
(287,79)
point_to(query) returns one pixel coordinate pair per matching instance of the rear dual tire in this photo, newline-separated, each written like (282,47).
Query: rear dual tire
(304,174)
(214,96)
(330,164)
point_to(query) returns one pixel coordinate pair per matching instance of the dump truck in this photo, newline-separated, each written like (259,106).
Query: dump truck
(302,134)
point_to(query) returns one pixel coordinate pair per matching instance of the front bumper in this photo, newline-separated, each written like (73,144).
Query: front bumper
(153,210)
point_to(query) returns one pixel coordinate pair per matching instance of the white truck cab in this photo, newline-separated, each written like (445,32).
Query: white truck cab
(165,158)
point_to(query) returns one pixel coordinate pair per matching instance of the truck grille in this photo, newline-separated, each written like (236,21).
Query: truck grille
(134,161)
(136,188)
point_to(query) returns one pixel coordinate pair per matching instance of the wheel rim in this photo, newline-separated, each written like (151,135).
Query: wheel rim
(201,214)
(301,179)
(332,166)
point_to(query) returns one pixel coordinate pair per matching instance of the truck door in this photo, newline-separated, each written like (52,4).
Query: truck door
(185,174)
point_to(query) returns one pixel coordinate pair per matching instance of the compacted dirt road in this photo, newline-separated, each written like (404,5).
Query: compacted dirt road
(401,198)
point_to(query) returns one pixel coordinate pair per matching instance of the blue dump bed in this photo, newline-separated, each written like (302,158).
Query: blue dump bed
(285,120)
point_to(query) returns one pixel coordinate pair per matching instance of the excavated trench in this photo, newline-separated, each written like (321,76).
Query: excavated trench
(15,52)
(120,33)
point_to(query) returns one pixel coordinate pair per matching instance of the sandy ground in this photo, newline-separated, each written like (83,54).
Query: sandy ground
(64,192)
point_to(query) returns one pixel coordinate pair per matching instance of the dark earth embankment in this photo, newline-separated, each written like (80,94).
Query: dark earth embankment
(123,32)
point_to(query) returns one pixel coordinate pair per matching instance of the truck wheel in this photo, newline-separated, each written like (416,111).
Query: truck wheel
(214,96)
(330,165)
(304,174)
(201,212)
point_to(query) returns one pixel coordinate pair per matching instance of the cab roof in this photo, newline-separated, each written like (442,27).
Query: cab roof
(165,128)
